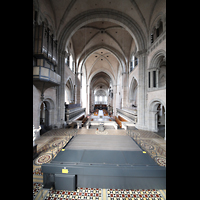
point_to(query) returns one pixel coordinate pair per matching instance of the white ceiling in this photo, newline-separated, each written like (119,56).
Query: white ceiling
(102,64)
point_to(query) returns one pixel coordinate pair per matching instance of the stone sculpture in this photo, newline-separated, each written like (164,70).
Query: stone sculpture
(35,131)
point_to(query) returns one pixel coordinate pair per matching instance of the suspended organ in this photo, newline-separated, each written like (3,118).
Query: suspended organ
(45,58)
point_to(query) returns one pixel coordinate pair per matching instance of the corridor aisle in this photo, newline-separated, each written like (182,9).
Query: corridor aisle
(53,137)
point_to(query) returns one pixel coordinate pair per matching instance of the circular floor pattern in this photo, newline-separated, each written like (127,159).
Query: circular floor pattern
(56,143)
(43,159)
(147,146)
(101,133)
(161,161)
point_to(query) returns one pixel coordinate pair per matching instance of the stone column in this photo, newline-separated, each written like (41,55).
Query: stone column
(165,125)
(125,89)
(151,75)
(114,99)
(75,92)
(141,110)
(88,100)
(50,118)
(157,73)
(92,100)
(60,93)
(78,87)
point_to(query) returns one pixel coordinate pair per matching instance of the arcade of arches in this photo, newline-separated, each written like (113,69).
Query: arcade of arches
(107,52)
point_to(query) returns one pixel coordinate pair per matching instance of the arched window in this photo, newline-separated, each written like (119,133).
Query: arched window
(156,31)
(133,93)
(70,61)
(157,71)
(133,62)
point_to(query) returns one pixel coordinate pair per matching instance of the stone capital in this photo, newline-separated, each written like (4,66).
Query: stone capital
(141,53)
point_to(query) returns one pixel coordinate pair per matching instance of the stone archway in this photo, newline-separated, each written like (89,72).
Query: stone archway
(96,15)
(157,115)
(46,115)
(102,14)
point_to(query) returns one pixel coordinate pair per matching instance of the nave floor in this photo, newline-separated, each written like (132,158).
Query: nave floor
(48,143)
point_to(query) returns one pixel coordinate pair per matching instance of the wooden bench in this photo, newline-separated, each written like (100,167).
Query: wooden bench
(84,121)
(119,121)
(72,125)
(81,118)
(105,112)
(122,119)
(96,112)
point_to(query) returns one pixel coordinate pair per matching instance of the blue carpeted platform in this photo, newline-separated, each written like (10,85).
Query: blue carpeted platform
(120,169)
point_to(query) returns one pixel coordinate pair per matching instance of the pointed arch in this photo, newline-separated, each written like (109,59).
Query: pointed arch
(69,90)
(102,14)
(90,51)
(133,90)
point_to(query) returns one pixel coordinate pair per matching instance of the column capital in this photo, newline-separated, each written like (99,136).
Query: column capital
(62,53)
(141,53)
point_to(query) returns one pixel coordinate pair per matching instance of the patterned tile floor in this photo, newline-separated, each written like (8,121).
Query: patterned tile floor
(48,144)
(154,144)
(36,188)
(124,194)
(100,194)
(81,193)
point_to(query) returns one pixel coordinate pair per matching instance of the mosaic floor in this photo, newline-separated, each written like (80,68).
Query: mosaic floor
(50,150)
(81,193)
(59,132)
(145,194)
(152,143)
(99,194)
(49,146)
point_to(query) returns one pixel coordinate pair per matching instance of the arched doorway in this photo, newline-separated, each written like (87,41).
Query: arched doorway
(46,115)
(161,120)
(157,120)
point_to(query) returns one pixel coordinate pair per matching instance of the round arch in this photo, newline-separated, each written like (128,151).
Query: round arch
(156,58)
(48,113)
(154,102)
(153,114)
(100,70)
(102,14)
(160,17)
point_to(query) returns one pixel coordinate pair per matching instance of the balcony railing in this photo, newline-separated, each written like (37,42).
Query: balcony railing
(46,74)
